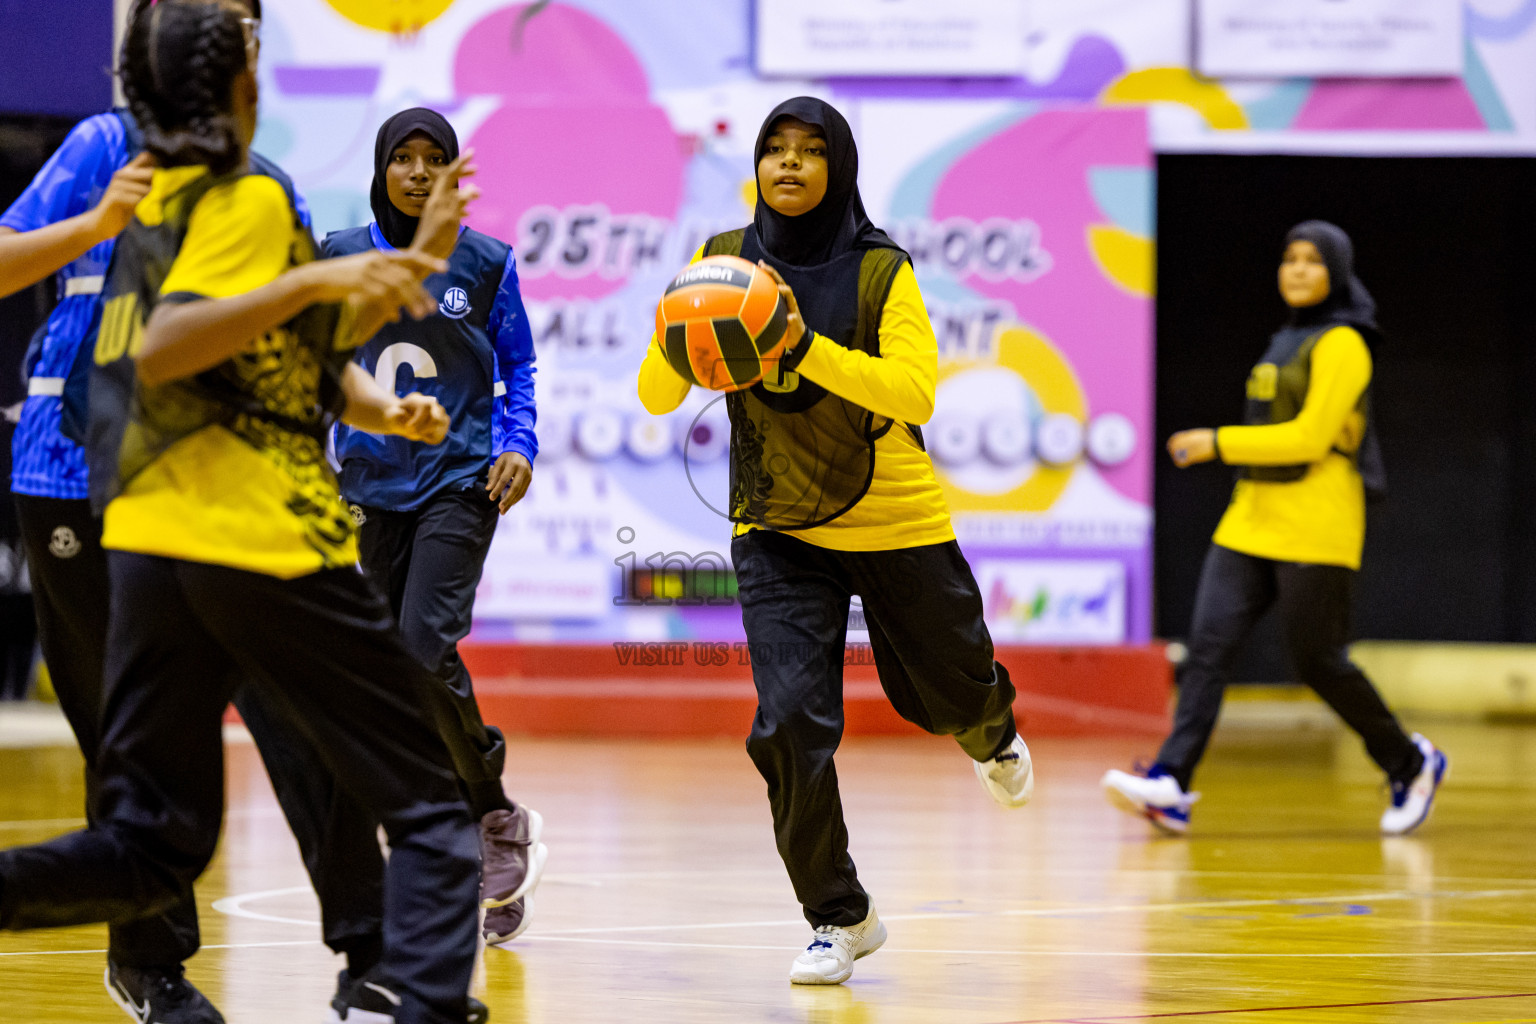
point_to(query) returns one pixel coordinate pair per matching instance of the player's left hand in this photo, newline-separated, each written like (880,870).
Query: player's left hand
(130,184)
(418,417)
(1189,447)
(437,232)
(796,327)
(510,476)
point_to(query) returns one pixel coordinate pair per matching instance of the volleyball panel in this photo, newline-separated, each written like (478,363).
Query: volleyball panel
(738,352)
(704,357)
(705,300)
(758,307)
(675,345)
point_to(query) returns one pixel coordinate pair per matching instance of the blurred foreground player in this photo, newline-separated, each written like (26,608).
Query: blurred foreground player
(67,221)
(221,352)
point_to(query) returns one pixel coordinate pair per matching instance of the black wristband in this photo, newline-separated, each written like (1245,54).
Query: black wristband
(791,358)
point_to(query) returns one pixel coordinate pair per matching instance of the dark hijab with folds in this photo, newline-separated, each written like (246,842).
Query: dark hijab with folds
(1348,302)
(838,224)
(398,228)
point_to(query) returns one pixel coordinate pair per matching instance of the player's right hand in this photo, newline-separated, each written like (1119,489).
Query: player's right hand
(437,232)
(418,417)
(130,184)
(390,281)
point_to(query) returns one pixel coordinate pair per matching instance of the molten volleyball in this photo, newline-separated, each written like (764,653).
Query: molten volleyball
(721,323)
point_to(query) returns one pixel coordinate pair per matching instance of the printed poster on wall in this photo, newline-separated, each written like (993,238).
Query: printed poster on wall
(612,141)
(1351,38)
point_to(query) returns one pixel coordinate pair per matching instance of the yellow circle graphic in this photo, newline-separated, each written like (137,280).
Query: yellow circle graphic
(400,17)
(1048,374)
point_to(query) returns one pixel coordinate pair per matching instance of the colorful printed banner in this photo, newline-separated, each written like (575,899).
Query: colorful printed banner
(614,137)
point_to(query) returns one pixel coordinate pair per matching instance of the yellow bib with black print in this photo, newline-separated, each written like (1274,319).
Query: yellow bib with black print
(226,467)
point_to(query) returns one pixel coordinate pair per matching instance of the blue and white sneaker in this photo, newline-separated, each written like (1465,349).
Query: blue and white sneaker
(1154,795)
(828,960)
(1411,802)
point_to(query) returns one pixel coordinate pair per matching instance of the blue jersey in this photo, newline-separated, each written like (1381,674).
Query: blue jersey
(474,355)
(44,463)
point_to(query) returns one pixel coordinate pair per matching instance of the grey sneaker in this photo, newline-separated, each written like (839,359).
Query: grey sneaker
(511,856)
(503,924)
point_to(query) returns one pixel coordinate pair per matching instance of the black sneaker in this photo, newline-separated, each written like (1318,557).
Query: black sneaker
(365,1001)
(155,995)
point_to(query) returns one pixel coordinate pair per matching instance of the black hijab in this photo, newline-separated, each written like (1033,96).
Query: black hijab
(1348,302)
(398,228)
(836,225)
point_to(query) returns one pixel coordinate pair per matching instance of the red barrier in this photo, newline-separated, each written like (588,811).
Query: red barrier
(687,689)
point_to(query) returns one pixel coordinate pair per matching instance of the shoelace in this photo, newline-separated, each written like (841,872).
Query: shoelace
(820,941)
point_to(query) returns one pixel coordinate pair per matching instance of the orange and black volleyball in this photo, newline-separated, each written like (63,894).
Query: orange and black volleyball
(721,323)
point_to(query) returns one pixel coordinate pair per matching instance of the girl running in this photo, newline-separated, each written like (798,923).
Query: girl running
(427,514)
(1292,536)
(231,554)
(858,510)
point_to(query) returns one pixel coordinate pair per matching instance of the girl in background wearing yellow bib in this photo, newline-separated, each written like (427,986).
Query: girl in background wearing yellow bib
(1292,537)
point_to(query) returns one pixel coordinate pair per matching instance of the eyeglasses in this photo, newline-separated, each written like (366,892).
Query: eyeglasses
(251,27)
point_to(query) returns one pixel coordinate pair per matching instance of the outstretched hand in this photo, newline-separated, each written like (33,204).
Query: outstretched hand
(1189,447)
(438,230)
(384,281)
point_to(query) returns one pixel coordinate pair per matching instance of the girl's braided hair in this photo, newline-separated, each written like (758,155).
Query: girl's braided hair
(179,64)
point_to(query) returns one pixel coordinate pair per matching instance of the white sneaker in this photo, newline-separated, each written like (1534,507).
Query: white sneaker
(828,960)
(1411,803)
(1010,776)
(1155,796)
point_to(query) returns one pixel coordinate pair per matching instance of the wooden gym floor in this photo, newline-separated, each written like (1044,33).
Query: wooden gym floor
(664,900)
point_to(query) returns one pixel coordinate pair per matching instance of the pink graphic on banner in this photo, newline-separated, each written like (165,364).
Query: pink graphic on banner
(1414,104)
(1039,170)
(576,128)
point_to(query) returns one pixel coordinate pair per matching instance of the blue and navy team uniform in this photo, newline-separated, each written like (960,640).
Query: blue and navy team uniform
(475,356)
(45,463)
(68,567)
(426,518)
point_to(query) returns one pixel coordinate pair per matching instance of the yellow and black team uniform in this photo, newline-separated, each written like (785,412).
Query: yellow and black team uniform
(74,632)
(1292,537)
(832,494)
(229,467)
(232,557)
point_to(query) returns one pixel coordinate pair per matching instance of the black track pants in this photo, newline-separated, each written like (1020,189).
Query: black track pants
(934,657)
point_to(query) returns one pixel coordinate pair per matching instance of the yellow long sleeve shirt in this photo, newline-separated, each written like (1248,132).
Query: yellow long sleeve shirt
(904,506)
(1319,519)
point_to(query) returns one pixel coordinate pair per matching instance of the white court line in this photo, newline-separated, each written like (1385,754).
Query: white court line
(1040,952)
(221,945)
(235,906)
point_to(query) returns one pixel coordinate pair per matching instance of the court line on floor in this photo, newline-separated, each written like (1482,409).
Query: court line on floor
(1085,953)
(235,906)
(218,945)
(1106,1018)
